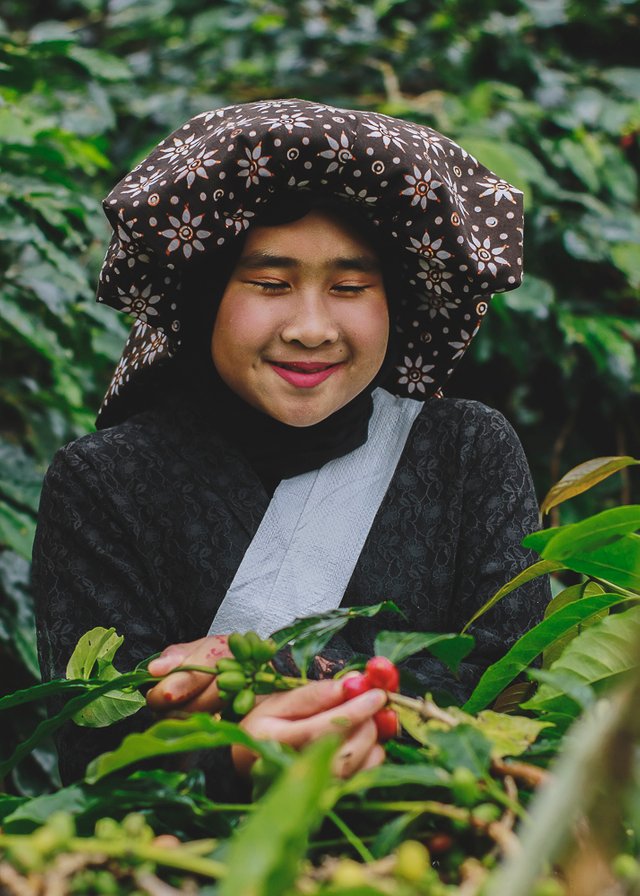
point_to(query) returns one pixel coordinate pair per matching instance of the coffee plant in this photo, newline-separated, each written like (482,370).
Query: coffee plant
(521,791)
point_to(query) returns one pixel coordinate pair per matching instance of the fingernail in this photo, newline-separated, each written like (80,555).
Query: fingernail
(375,698)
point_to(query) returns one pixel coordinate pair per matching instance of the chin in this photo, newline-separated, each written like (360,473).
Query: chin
(300,416)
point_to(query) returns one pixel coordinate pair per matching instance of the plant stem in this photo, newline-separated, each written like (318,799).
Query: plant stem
(169,858)
(352,838)
(426,709)
(418,807)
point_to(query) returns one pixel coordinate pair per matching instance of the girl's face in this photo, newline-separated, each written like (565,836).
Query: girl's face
(303,323)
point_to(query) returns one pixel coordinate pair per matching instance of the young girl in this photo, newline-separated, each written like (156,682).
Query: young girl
(285,261)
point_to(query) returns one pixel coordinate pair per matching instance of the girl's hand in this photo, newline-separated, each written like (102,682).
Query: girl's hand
(188,691)
(302,715)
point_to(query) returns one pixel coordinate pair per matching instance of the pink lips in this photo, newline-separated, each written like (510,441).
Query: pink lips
(305,374)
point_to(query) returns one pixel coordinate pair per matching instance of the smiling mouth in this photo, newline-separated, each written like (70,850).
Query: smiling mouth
(306,366)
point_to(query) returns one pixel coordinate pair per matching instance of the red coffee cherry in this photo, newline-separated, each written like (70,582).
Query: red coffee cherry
(386,723)
(382,673)
(355,685)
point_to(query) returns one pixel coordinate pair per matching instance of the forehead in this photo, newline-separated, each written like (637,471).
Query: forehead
(318,234)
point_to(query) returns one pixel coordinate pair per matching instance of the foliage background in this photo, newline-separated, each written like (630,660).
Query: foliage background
(545,92)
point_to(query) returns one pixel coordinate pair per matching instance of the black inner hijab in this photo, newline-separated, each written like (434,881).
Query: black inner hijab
(274,449)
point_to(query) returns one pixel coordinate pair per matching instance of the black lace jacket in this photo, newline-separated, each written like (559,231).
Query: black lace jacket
(142,527)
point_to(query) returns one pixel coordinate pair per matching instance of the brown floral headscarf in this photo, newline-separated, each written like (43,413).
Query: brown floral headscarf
(456,226)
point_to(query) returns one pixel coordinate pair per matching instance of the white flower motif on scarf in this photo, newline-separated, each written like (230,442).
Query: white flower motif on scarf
(295,120)
(143,184)
(485,255)
(148,352)
(499,189)
(338,152)
(414,374)
(457,197)
(184,234)
(463,344)
(120,376)
(359,196)
(179,149)
(139,303)
(421,187)
(386,134)
(254,166)
(429,250)
(238,220)
(435,277)
(432,143)
(437,303)
(197,166)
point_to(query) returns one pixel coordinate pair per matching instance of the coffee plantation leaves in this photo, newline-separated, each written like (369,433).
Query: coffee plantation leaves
(398,646)
(593,532)
(308,636)
(541,568)
(265,854)
(198,732)
(599,656)
(532,644)
(95,651)
(584,477)
(617,564)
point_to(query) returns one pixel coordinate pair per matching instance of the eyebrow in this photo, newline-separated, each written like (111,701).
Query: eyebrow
(365,263)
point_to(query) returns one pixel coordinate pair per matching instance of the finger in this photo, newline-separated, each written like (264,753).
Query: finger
(376,757)
(180,687)
(305,701)
(171,656)
(208,700)
(354,751)
(339,720)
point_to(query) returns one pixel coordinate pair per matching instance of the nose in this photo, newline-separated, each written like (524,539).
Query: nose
(311,321)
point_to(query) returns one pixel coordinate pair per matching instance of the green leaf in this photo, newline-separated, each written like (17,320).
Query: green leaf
(541,568)
(584,477)
(509,735)
(49,726)
(36,811)
(16,530)
(388,775)
(266,852)
(617,563)
(97,648)
(565,597)
(99,643)
(601,654)
(531,644)
(465,745)
(593,532)
(398,646)
(41,692)
(101,65)
(626,257)
(537,540)
(309,635)
(199,732)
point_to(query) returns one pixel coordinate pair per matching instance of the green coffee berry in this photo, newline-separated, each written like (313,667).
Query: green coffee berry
(108,829)
(264,651)
(412,861)
(548,886)
(464,787)
(485,813)
(348,873)
(228,665)
(240,647)
(231,681)
(244,702)
(626,867)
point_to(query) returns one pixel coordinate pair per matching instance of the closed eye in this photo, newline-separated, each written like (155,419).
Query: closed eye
(269,287)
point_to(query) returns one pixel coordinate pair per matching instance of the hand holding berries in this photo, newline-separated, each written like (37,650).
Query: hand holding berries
(379,673)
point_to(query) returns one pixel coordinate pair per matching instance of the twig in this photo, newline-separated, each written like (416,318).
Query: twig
(426,709)
(530,775)
(16,884)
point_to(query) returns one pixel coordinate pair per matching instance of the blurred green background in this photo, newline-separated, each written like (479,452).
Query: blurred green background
(545,92)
